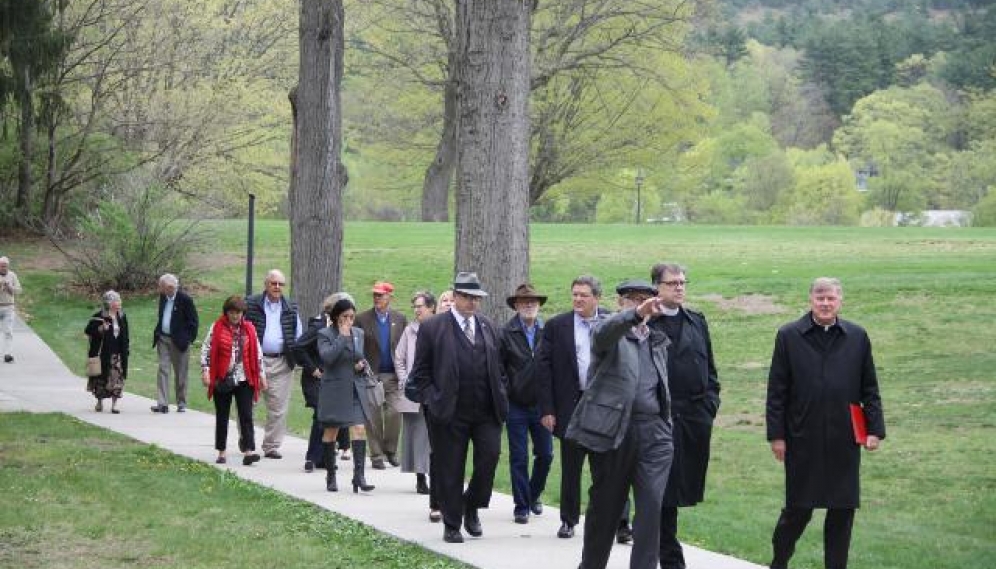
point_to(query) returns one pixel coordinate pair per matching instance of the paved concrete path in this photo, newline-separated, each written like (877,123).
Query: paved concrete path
(38,381)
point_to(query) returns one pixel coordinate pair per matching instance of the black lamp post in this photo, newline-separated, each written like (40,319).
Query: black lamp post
(639,185)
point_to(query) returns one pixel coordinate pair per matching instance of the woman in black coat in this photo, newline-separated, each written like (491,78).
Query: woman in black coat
(342,393)
(108,333)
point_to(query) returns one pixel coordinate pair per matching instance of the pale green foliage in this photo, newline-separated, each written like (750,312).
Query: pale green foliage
(984,213)
(823,195)
(130,239)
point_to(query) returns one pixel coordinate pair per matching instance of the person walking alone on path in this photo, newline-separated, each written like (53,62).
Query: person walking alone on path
(821,366)
(10,287)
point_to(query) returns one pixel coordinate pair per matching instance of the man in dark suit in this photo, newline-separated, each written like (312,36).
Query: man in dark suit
(694,388)
(382,328)
(623,422)
(821,365)
(457,376)
(562,376)
(176,328)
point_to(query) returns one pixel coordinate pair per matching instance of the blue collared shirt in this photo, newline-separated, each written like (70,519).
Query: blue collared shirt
(530,332)
(168,314)
(582,345)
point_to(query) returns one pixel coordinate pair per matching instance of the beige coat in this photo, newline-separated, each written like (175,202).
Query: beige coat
(404,357)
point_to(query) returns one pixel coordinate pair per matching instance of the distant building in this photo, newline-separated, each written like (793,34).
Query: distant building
(936,218)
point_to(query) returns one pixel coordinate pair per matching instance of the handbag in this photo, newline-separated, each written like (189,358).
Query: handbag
(93,368)
(227,384)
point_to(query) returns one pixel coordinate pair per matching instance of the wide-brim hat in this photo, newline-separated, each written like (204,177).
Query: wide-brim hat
(468,283)
(525,291)
(635,285)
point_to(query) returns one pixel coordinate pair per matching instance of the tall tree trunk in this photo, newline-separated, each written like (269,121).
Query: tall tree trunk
(27,141)
(317,175)
(492,217)
(439,174)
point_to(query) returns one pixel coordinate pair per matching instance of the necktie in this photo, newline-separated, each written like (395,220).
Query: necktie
(468,329)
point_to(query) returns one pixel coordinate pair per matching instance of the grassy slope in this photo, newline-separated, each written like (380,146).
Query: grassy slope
(925,296)
(76,496)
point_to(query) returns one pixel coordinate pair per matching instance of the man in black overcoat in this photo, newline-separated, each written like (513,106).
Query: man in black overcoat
(457,376)
(694,388)
(821,365)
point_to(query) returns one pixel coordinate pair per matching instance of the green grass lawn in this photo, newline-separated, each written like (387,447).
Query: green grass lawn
(926,297)
(80,497)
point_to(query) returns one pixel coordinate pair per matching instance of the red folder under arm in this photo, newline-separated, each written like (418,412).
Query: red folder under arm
(859,425)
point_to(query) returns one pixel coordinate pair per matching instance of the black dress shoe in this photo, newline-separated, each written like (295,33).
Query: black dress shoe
(472,523)
(624,535)
(452,535)
(521,518)
(393,460)
(566,531)
(8,359)
(377,464)
(160,409)
(309,466)
(249,459)
(536,508)
(273,454)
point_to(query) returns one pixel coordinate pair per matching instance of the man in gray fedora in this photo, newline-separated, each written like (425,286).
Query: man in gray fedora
(457,375)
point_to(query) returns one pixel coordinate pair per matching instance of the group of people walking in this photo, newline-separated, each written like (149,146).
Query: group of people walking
(634,392)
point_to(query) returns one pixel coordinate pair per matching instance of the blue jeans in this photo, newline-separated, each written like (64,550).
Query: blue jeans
(523,423)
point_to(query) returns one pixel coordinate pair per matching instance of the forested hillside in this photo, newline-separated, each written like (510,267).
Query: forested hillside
(721,111)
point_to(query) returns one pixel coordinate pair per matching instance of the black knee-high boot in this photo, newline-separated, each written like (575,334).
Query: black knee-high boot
(328,457)
(359,457)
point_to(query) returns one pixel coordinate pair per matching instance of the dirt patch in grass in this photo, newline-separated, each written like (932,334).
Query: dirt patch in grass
(56,548)
(749,303)
(740,421)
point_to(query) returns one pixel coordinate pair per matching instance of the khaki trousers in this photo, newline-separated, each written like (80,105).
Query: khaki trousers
(279,377)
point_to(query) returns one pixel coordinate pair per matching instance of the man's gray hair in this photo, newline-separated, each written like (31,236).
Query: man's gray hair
(4,260)
(334,298)
(591,282)
(826,283)
(658,271)
(169,279)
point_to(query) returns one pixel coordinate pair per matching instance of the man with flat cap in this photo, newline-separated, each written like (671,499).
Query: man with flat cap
(520,340)
(457,376)
(623,420)
(382,327)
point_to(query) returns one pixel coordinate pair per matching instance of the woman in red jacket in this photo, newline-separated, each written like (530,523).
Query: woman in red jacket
(232,368)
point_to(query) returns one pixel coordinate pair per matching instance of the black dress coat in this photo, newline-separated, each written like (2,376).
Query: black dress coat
(105,344)
(810,388)
(694,387)
(519,361)
(434,380)
(183,323)
(557,370)
(306,355)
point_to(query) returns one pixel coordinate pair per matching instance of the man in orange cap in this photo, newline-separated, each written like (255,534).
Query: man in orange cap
(382,328)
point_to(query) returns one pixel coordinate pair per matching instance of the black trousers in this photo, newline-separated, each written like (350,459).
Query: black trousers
(222,410)
(571,467)
(450,443)
(642,462)
(672,556)
(836,535)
